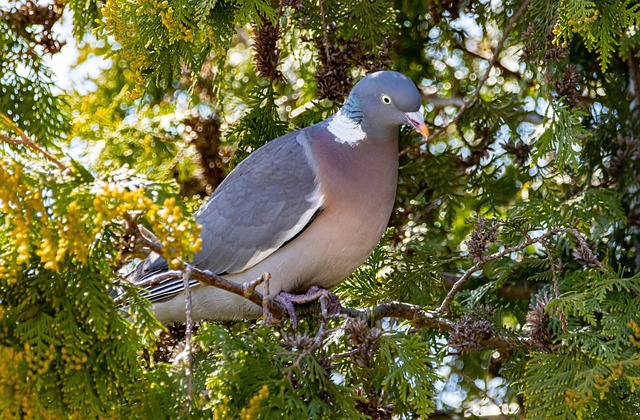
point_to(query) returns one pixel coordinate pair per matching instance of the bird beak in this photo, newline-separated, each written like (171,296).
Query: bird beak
(417,122)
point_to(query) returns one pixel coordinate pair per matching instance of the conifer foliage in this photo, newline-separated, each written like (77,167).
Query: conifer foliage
(508,281)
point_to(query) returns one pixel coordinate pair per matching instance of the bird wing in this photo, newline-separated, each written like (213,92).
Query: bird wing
(269,199)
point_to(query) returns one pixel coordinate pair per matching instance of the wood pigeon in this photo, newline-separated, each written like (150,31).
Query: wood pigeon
(308,207)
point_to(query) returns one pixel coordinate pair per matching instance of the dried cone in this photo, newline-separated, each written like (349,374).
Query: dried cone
(333,75)
(471,330)
(568,86)
(206,139)
(267,52)
(537,327)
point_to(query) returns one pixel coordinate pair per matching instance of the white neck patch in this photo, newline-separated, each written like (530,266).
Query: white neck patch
(345,129)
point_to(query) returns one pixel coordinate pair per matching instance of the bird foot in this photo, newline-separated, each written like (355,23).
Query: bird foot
(329,304)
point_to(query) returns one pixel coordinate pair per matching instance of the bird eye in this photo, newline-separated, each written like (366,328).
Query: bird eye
(386,99)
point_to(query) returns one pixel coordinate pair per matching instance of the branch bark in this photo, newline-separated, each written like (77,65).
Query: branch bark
(418,316)
(186,273)
(27,142)
(145,240)
(433,320)
(513,290)
(476,93)
(457,100)
(457,286)
(476,54)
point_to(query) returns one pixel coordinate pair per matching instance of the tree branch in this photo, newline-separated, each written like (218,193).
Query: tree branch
(457,286)
(207,278)
(463,48)
(476,93)
(554,277)
(145,240)
(419,317)
(188,336)
(583,248)
(514,290)
(26,141)
(457,100)
(423,319)
(634,85)
(325,31)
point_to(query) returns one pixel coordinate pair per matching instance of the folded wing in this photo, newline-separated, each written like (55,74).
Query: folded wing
(269,199)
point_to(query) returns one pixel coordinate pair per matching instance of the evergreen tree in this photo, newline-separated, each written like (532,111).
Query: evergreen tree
(509,279)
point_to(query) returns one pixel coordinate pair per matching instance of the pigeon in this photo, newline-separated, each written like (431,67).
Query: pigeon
(308,207)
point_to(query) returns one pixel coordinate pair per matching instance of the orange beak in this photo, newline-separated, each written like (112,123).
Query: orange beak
(417,122)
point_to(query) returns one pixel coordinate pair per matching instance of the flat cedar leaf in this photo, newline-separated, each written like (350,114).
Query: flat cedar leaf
(85,175)
(563,137)
(253,11)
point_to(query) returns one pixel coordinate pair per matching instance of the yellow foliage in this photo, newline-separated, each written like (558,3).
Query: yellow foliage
(55,228)
(20,398)
(221,411)
(18,202)
(635,337)
(253,409)
(179,235)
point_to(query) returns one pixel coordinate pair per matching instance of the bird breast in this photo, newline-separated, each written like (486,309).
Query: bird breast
(358,184)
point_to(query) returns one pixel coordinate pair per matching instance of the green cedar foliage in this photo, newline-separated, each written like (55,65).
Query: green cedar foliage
(26,88)
(528,191)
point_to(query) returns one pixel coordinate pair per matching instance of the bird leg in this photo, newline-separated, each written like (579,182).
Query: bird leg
(329,303)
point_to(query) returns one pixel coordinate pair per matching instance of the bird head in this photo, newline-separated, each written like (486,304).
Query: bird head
(383,101)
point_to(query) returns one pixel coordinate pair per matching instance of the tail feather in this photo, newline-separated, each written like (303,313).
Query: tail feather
(153,265)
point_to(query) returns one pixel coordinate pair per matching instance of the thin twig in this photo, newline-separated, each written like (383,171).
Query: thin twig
(476,93)
(325,33)
(188,334)
(206,278)
(26,141)
(176,159)
(318,340)
(423,319)
(634,85)
(457,100)
(345,354)
(251,286)
(266,314)
(457,286)
(476,54)
(509,289)
(482,392)
(554,278)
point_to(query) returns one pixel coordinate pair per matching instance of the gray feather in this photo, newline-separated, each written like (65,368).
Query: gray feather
(259,207)
(262,204)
